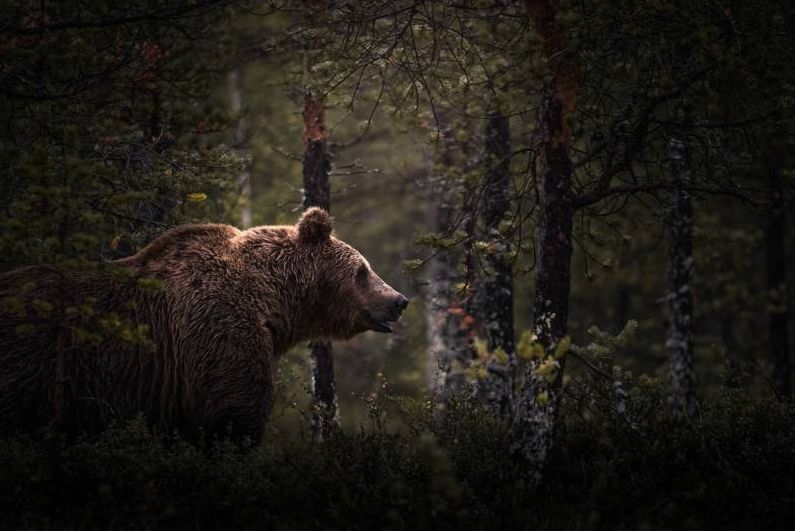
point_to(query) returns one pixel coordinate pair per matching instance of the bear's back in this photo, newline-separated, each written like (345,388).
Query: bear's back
(180,245)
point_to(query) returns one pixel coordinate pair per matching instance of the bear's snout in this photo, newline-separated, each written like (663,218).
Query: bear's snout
(390,310)
(401,303)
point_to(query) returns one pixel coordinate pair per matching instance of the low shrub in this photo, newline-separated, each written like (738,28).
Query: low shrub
(731,467)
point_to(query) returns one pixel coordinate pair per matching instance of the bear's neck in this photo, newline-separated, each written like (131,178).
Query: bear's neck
(285,307)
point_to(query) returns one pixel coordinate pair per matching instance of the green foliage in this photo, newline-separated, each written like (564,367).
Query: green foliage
(412,265)
(603,345)
(108,139)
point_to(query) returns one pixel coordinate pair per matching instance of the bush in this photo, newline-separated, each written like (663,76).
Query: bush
(731,467)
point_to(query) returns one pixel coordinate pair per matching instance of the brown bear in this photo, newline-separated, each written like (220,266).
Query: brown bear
(185,331)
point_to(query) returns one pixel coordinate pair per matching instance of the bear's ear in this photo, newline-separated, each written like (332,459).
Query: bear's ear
(314,226)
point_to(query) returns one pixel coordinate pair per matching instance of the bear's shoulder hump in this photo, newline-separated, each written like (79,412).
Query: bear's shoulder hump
(215,236)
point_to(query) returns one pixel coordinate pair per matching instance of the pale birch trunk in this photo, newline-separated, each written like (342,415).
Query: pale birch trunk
(445,363)
(679,338)
(241,143)
(495,291)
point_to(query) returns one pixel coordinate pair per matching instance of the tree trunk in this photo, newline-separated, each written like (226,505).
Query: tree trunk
(679,340)
(775,242)
(534,418)
(443,314)
(316,167)
(495,293)
(732,352)
(241,143)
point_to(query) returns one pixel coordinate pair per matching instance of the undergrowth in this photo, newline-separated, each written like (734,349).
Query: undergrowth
(731,467)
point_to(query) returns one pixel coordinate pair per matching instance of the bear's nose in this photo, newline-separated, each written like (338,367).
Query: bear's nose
(401,302)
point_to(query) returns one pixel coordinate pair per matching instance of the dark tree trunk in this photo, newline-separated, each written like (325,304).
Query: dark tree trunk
(539,400)
(535,414)
(775,242)
(316,167)
(679,340)
(623,307)
(554,244)
(495,293)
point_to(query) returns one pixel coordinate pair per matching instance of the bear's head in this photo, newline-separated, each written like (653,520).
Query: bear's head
(350,297)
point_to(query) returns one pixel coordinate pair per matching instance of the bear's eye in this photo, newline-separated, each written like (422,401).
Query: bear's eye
(361,275)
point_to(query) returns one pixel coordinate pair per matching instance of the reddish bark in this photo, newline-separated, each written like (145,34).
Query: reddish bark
(316,167)
(537,406)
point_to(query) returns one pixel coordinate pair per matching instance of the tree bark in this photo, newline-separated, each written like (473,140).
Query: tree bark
(495,293)
(732,352)
(316,167)
(241,142)
(534,418)
(775,243)
(679,340)
(447,356)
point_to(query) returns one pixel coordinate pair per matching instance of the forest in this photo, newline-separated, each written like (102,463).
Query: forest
(584,201)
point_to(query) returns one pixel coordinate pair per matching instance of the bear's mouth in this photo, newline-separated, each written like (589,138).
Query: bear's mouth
(380,325)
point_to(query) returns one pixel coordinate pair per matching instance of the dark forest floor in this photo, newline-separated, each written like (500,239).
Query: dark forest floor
(732,467)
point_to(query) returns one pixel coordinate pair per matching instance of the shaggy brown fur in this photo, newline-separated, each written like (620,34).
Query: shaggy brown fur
(193,351)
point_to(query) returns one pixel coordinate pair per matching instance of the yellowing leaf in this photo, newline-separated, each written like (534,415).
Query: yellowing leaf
(481,348)
(197,197)
(528,348)
(24,330)
(12,305)
(542,398)
(41,307)
(547,369)
(562,347)
(150,285)
(501,356)
(114,243)
(476,371)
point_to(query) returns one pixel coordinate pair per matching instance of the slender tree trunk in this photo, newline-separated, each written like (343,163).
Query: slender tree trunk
(679,340)
(241,142)
(443,309)
(495,293)
(536,410)
(776,241)
(316,167)
(156,212)
(441,322)
(732,352)
(622,305)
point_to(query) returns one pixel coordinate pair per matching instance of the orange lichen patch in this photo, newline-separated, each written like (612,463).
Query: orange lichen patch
(314,126)
(456,311)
